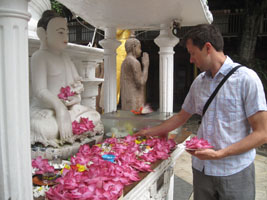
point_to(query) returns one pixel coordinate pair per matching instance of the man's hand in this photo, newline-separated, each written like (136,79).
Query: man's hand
(206,154)
(143,132)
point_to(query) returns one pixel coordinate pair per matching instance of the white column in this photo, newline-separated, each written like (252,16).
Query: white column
(110,44)
(166,41)
(15,157)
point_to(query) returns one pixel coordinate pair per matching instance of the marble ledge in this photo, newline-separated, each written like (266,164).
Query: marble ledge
(80,52)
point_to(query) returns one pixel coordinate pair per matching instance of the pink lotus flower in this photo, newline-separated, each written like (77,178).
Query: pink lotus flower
(42,165)
(103,179)
(83,126)
(65,93)
(196,143)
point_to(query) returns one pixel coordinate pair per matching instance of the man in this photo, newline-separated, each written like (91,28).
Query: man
(234,123)
(133,76)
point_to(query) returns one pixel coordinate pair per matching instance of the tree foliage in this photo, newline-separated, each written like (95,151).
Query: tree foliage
(56,6)
(254,11)
(253,15)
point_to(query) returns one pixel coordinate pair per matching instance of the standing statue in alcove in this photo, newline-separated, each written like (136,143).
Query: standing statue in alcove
(133,76)
(52,70)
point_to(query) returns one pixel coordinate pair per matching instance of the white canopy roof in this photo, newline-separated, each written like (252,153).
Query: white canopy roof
(140,14)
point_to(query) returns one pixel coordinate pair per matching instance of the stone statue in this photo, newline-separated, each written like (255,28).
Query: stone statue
(52,69)
(133,76)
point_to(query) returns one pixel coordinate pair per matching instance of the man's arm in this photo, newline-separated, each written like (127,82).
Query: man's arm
(164,128)
(258,137)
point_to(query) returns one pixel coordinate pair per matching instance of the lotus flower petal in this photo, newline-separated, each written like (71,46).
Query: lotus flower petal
(101,179)
(83,126)
(196,143)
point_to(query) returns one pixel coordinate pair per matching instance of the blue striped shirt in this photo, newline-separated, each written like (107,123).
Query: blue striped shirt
(225,121)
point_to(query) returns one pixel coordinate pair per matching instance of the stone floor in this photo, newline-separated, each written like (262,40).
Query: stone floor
(183,170)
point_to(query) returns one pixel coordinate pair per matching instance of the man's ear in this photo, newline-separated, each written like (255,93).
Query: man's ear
(41,33)
(208,46)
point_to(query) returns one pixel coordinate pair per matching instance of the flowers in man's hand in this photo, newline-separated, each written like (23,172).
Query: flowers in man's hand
(196,143)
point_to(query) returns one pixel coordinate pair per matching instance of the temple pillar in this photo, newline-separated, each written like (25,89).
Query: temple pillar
(110,44)
(166,42)
(15,154)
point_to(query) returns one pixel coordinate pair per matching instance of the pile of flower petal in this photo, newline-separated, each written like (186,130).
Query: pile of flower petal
(42,166)
(143,110)
(91,177)
(196,143)
(65,93)
(83,126)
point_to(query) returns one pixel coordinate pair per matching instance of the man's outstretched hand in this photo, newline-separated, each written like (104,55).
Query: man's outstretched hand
(143,132)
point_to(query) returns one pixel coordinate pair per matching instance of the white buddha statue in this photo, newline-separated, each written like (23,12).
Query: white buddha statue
(52,69)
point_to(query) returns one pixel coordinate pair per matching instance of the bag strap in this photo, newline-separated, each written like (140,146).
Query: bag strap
(217,89)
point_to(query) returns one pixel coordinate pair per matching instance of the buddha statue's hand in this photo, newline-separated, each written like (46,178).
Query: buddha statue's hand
(64,124)
(77,87)
(145,59)
(72,100)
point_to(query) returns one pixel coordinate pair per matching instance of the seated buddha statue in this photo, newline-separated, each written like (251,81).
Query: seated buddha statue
(51,70)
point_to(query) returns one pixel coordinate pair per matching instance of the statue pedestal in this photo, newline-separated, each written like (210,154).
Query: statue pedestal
(63,152)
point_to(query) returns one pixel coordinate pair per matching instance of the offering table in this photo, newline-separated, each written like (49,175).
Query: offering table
(159,183)
(156,185)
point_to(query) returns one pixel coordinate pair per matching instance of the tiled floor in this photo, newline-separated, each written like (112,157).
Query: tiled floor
(183,170)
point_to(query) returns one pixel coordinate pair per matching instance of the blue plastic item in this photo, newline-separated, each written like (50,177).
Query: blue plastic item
(109,157)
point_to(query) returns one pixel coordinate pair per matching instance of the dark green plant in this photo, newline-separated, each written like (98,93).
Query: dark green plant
(259,66)
(56,6)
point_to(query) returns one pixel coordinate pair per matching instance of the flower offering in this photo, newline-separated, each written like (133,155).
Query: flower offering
(83,126)
(143,110)
(65,93)
(42,166)
(196,143)
(91,175)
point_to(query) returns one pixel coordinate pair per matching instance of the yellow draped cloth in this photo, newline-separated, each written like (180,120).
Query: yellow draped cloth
(122,36)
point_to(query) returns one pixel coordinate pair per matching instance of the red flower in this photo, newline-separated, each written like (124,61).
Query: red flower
(65,93)
(83,126)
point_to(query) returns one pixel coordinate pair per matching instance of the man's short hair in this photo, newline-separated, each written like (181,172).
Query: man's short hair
(203,33)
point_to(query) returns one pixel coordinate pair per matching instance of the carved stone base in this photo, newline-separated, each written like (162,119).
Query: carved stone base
(63,152)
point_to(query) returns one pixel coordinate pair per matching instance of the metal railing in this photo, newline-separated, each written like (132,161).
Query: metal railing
(230,24)
(81,33)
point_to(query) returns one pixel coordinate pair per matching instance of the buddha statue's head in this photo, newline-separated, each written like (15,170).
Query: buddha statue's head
(132,45)
(53,31)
